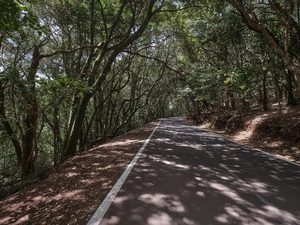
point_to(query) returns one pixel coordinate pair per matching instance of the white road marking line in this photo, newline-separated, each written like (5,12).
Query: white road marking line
(100,212)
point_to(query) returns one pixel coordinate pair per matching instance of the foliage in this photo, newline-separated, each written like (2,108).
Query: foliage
(16,15)
(77,73)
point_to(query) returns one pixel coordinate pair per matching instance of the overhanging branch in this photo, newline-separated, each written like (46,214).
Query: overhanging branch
(152,58)
(72,50)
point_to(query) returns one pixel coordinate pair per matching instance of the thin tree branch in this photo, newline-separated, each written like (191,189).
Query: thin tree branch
(152,58)
(100,46)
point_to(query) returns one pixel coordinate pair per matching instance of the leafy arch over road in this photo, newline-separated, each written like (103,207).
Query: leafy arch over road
(76,73)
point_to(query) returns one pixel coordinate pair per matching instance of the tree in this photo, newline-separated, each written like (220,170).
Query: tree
(98,66)
(278,22)
(99,62)
(17,17)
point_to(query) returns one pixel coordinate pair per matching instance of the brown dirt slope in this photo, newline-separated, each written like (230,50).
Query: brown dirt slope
(74,189)
(264,130)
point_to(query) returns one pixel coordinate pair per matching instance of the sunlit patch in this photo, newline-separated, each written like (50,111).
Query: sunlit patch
(222,218)
(171,202)
(156,199)
(217,145)
(170,163)
(159,218)
(111,221)
(201,167)
(188,221)
(186,167)
(164,140)
(39,198)
(58,197)
(233,211)
(5,220)
(71,194)
(147,170)
(15,207)
(224,178)
(167,162)
(121,200)
(274,212)
(228,192)
(148,184)
(191,184)
(88,182)
(260,187)
(189,145)
(146,164)
(200,193)
(71,174)
(22,220)
(109,144)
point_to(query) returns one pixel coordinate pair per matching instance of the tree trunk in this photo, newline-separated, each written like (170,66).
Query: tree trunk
(75,128)
(276,88)
(296,72)
(251,20)
(232,101)
(56,136)
(31,118)
(264,87)
(8,128)
(29,141)
(289,87)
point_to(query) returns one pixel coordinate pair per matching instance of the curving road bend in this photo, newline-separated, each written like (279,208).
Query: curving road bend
(189,176)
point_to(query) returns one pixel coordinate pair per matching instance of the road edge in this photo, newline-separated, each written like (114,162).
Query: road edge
(248,146)
(100,212)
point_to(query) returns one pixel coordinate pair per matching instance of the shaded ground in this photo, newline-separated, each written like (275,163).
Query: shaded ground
(74,189)
(264,130)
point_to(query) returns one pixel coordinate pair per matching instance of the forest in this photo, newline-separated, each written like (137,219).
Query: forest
(76,73)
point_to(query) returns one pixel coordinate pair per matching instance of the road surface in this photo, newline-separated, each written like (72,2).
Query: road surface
(186,175)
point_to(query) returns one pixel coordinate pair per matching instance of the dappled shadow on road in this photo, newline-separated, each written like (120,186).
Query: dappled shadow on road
(189,176)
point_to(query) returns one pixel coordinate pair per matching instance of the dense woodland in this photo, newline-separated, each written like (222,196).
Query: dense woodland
(75,73)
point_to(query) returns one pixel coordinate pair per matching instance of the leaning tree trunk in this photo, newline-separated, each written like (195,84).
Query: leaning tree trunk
(75,129)
(7,126)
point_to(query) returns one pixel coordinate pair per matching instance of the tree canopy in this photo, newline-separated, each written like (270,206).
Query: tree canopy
(76,73)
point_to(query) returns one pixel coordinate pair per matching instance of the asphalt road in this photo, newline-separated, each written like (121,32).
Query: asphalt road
(189,176)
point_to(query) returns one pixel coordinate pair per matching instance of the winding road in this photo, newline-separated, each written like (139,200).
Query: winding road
(185,175)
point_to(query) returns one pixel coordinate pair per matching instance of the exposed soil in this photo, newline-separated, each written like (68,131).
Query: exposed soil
(264,130)
(73,190)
